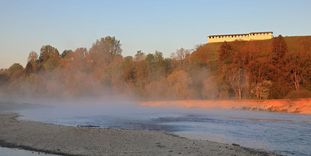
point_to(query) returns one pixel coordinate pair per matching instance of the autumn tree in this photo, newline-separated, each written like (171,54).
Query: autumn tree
(234,63)
(139,56)
(181,57)
(279,50)
(280,86)
(15,71)
(179,82)
(225,53)
(240,69)
(32,63)
(210,87)
(297,69)
(199,57)
(262,89)
(32,57)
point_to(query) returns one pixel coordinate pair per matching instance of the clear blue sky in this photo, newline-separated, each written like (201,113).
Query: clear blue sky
(147,25)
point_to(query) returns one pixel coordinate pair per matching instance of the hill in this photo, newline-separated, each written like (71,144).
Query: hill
(295,44)
(280,67)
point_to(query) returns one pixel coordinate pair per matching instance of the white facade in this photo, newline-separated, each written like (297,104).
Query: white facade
(243,37)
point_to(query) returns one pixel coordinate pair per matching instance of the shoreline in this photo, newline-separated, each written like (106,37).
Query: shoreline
(296,106)
(76,141)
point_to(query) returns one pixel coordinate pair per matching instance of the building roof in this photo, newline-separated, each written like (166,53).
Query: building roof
(269,32)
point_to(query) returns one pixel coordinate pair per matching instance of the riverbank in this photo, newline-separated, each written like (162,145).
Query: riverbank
(300,106)
(67,140)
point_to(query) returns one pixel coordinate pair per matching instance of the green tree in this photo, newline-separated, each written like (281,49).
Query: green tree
(66,53)
(103,50)
(49,58)
(48,52)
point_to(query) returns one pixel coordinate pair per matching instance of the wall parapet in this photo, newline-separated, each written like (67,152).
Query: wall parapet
(243,37)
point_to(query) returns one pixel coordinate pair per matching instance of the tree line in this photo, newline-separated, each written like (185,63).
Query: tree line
(240,71)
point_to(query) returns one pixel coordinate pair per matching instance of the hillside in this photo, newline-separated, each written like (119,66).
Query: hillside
(276,68)
(294,43)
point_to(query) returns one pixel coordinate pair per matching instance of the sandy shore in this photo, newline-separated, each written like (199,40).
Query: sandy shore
(66,140)
(299,106)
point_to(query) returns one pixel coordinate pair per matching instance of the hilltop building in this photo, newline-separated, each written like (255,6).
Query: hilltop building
(242,37)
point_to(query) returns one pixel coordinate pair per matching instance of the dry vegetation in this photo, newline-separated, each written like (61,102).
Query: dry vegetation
(300,106)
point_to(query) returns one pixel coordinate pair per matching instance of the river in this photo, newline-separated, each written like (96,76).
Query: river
(288,134)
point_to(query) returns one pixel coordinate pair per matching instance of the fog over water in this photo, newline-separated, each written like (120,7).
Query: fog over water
(287,134)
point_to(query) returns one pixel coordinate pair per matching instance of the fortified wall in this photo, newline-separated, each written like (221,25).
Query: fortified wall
(242,37)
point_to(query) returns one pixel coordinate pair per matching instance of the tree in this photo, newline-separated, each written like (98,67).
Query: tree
(298,66)
(280,85)
(180,57)
(279,50)
(66,53)
(32,57)
(105,49)
(3,78)
(234,64)
(199,58)
(210,88)
(262,89)
(139,56)
(142,76)
(15,71)
(225,53)
(156,65)
(179,82)
(128,70)
(49,58)
(158,57)
(238,80)
(31,67)
(48,52)
(181,54)
(31,63)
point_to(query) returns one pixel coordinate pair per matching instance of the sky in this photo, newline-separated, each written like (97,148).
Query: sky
(147,25)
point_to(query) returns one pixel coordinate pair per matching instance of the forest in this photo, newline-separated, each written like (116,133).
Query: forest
(270,69)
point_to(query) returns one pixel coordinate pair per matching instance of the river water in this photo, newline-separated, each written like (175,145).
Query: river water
(288,134)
